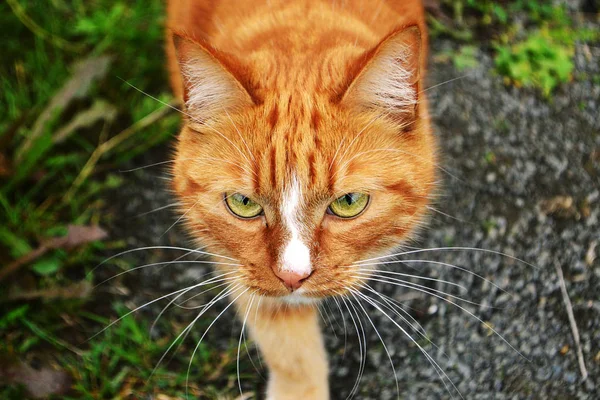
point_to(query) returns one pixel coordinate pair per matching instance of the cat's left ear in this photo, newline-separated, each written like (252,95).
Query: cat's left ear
(387,77)
(213,81)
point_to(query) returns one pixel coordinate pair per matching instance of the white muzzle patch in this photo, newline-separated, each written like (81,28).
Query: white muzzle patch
(296,255)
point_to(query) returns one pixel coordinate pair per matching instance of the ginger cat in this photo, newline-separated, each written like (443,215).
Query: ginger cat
(305,151)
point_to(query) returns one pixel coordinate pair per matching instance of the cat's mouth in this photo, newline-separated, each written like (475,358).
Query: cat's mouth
(302,296)
(322,283)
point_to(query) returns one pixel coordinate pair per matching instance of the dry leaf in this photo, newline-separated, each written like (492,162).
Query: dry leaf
(5,167)
(100,110)
(80,290)
(39,383)
(78,235)
(431,5)
(85,73)
(560,206)
(434,8)
(590,255)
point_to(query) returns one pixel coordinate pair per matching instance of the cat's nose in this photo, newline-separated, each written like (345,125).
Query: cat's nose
(295,264)
(293,280)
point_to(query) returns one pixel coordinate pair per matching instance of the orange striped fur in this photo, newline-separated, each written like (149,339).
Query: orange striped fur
(320,96)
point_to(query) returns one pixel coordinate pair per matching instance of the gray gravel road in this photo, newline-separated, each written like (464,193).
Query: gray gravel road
(528,185)
(512,154)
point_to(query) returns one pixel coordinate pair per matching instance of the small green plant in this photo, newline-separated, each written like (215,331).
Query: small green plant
(540,11)
(490,11)
(124,362)
(536,53)
(467,17)
(490,157)
(537,61)
(465,58)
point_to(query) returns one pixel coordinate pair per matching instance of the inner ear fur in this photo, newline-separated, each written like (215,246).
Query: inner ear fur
(213,81)
(387,77)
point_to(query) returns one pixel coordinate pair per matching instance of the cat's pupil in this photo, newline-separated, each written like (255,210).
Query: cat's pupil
(349,199)
(246,201)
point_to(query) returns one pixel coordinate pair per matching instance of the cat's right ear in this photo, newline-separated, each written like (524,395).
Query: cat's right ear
(387,77)
(213,81)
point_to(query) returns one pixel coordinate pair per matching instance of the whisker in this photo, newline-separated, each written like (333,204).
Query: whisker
(346,300)
(403,152)
(182,216)
(327,304)
(145,305)
(447,215)
(220,202)
(442,83)
(240,165)
(336,152)
(226,280)
(246,346)
(258,371)
(410,276)
(160,268)
(190,251)
(344,322)
(147,166)
(187,115)
(396,309)
(158,209)
(488,326)
(423,351)
(355,139)
(181,305)
(260,298)
(498,253)
(240,135)
(188,328)
(210,281)
(435,263)
(202,338)
(417,287)
(240,343)
(166,263)
(363,362)
(327,321)
(382,342)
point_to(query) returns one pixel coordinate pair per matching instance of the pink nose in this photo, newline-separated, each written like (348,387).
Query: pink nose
(293,280)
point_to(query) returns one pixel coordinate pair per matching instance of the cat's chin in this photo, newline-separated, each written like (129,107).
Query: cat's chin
(298,298)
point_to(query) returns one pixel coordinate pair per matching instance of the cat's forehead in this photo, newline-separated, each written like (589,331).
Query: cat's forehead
(295,111)
(304,141)
(307,144)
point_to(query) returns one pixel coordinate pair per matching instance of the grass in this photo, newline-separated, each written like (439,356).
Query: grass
(128,370)
(67,119)
(535,50)
(541,60)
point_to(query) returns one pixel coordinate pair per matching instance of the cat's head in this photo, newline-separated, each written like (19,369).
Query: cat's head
(298,168)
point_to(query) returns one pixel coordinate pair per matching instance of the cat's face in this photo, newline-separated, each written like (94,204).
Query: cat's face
(297,185)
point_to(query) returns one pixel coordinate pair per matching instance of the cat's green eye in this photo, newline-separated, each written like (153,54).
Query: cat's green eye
(349,205)
(242,206)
